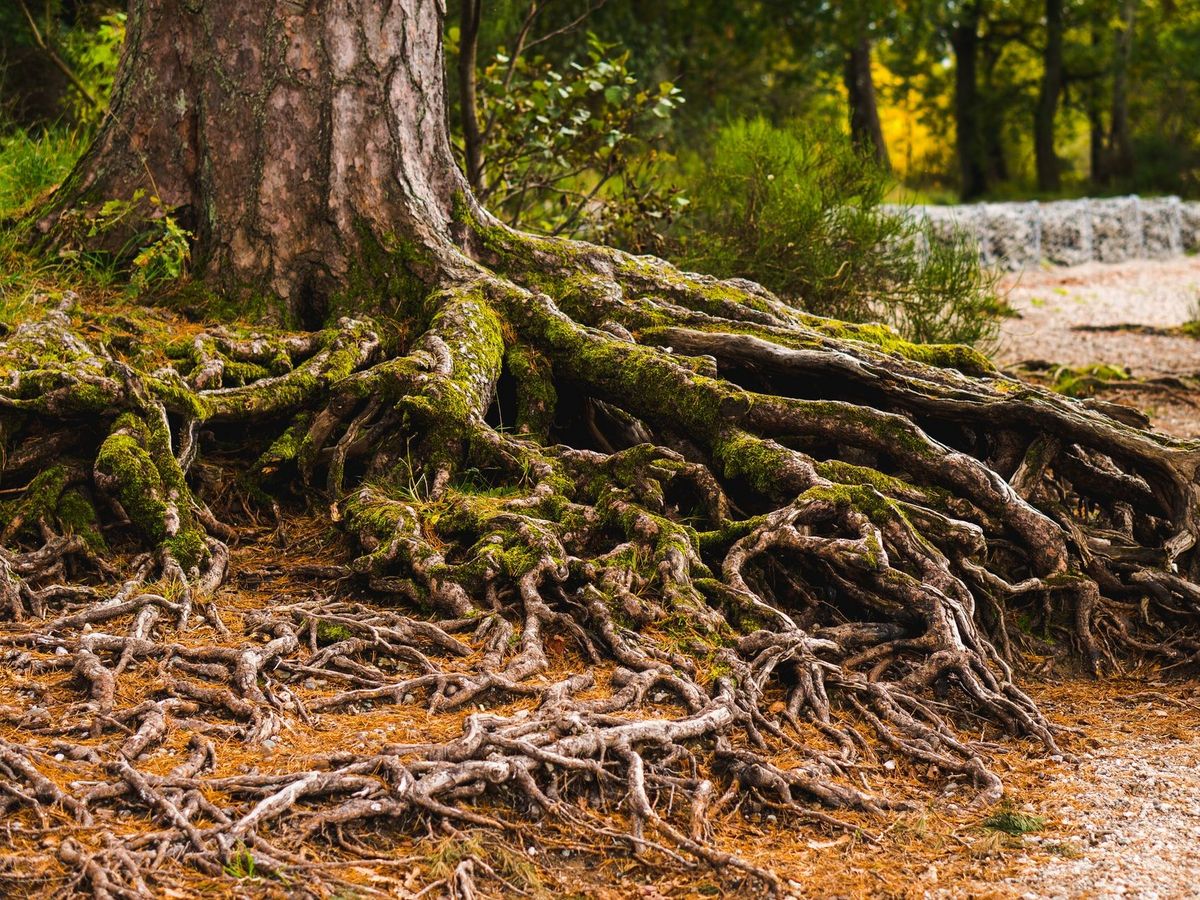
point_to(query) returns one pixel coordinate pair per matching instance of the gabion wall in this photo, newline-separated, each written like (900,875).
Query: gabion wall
(1069,232)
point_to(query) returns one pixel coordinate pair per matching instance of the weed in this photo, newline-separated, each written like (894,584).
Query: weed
(1013,822)
(241,863)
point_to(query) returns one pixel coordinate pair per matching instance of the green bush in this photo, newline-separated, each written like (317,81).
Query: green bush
(575,149)
(94,53)
(801,212)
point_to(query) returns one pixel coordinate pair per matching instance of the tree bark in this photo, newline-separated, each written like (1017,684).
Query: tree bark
(865,128)
(968,127)
(296,139)
(1048,178)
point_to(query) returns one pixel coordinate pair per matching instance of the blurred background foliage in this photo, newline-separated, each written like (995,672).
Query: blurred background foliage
(758,138)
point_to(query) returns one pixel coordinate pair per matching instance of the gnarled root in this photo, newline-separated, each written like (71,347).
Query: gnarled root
(650,538)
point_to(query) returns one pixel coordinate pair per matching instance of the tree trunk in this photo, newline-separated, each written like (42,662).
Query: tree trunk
(968,127)
(865,129)
(295,139)
(1097,150)
(667,531)
(1120,139)
(995,158)
(1047,105)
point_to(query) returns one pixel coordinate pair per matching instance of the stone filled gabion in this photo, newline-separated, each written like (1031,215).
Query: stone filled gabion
(1067,232)
(1189,226)
(1010,234)
(1117,229)
(1162,227)
(949,222)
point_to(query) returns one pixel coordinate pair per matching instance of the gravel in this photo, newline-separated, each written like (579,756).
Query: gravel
(1051,302)
(1135,806)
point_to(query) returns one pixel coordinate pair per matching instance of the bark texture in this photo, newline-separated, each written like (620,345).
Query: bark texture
(669,546)
(296,139)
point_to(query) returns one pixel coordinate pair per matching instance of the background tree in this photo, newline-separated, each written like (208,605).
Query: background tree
(1048,96)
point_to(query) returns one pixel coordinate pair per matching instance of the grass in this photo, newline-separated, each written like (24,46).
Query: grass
(1015,823)
(30,165)
(241,863)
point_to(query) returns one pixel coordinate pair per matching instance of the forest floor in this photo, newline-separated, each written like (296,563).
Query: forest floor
(1119,816)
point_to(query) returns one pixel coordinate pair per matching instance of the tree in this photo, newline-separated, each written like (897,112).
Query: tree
(1120,139)
(865,128)
(1047,104)
(721,525)
(969,128)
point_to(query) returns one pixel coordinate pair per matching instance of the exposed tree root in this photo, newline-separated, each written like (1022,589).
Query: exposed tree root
(786,533)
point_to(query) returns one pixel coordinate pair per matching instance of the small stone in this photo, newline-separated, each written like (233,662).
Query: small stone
(59,757)
(532,851)
(310,684)
(408,698)
(890,764)
(61,651)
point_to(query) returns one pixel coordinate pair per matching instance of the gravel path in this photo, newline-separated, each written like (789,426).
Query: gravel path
(1129,814)
(1051,303)
(1146,292)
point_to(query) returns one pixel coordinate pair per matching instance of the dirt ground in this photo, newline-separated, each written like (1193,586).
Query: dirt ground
(1117,815)
(1055,306)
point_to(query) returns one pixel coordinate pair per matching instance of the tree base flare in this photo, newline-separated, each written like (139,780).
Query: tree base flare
(620,546)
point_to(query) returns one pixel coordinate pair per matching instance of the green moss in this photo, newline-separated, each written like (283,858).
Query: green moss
(139,486)
(754,459)
(136,462)
(391,277)
(200,301)
(284,448)
(1084,381)
(41,496)
(537,400)
(77,515)
(332,633)
(863,498)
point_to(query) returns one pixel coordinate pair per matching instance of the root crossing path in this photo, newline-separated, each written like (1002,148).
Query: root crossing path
(595,554)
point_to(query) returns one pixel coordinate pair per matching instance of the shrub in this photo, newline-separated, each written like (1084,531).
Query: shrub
(802,213)
(575,149)
(94,54)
